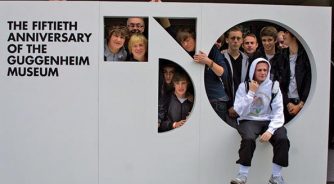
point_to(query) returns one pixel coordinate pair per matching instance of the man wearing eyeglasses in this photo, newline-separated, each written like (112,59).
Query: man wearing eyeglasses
(135,25)
(237,65)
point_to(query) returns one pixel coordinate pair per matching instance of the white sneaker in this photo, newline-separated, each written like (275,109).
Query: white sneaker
(239,179)
(276,180)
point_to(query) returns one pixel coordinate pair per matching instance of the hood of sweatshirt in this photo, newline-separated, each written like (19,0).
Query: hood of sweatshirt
(253,66)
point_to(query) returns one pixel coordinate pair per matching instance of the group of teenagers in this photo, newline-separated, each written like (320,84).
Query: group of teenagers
(254,89)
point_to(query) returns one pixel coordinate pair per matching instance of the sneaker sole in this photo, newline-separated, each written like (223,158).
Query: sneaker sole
(234,182)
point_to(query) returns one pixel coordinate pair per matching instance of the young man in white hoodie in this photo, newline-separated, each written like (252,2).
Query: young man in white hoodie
(260,108)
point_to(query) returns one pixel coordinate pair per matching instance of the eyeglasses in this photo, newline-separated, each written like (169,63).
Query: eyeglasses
(131,25)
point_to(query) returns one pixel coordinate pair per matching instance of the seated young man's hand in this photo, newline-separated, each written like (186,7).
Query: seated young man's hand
(253,85)
(232,113)
(265,136)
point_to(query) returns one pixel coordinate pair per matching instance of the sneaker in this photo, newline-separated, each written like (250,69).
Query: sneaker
(240,179)
(276,180)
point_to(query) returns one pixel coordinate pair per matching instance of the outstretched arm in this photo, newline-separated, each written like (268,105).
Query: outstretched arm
(203,58)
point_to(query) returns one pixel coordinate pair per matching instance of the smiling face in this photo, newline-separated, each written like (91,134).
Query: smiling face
(116,42)
(180,88)
(138,46)
(116,38)
(138,50)
(136,25)
(268,43)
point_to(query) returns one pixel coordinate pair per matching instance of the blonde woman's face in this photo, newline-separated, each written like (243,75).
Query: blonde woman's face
(138,50)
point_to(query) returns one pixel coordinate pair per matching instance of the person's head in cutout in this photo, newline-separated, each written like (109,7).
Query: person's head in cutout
(137,47)
(168,71)
(268,36)
(180,82)
(136,24)
(250,44)
(259,105)
(295,76)
(182,30)
(220,42)
(179,105)
(270,50)
(234,39)
(166,87)
(186,37)
(280,40)
(114,49)
(290,40)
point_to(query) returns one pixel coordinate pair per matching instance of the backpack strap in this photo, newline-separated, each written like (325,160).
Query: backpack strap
(274,91)
(246,86)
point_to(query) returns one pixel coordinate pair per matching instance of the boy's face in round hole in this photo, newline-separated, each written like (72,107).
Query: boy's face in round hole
(181,88)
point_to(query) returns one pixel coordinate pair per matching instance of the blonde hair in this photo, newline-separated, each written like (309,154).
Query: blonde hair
(137,38)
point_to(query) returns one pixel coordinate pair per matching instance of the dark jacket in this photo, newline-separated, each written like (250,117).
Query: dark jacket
(302,73)
(165,93)
(176,111)
(228,81)
(214,84)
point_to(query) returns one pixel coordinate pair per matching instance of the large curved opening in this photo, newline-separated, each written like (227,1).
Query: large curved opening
(281,46)
(176,96)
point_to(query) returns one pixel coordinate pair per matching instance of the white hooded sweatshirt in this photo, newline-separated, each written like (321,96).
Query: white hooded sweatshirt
(256,106)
